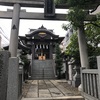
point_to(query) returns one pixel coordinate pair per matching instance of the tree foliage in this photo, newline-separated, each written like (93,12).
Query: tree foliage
(58,61)
(92,32)
(60,1)
(76,15)
(72,50)
(25,61)
(79,3)
(77,11)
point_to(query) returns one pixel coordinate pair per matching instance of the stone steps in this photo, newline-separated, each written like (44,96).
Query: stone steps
(43,69)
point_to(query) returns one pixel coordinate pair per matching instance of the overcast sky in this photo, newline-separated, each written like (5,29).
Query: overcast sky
(25,25)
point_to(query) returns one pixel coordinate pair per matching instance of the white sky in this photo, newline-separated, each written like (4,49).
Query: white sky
(25,25)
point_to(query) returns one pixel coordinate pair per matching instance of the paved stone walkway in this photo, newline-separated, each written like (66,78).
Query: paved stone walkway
(48,89)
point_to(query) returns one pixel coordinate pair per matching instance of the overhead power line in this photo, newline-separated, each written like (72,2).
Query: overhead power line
(3,34)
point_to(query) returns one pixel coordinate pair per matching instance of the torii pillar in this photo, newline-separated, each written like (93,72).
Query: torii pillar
(83,47)
(83,50)
(13,67)
(14,31)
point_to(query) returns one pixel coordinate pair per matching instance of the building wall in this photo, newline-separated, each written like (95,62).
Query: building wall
(64,44)
(97,11)
(66,40)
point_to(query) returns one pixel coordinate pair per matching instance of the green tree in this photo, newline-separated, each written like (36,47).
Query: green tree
(58,61)
(60,1)
(72,50)
(77,10)
(25,61)
(76,15)
(92,32)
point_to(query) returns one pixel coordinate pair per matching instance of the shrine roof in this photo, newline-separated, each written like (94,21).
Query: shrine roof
(33,32)
(34,37)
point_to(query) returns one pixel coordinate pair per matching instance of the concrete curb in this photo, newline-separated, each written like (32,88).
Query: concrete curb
(57,98)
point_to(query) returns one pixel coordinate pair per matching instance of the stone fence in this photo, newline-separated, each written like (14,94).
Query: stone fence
(90,79)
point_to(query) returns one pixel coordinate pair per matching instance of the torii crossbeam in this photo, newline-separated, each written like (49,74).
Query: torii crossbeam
(17,14)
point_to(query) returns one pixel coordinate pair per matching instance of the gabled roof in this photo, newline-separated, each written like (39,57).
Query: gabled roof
(41,29)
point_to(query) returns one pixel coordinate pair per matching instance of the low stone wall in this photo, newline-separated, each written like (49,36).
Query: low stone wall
(4,61)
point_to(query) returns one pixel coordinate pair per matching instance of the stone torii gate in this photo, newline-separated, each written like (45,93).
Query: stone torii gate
(17,14)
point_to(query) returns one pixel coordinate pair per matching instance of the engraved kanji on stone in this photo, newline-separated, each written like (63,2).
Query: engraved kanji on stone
(14,27)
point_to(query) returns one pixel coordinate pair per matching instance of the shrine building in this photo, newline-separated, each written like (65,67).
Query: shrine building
(41,44)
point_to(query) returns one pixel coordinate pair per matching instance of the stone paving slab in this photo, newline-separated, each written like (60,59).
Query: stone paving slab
(53,90)
(43,90)
(49,90)
(44,93)
(61,88)
(33,90)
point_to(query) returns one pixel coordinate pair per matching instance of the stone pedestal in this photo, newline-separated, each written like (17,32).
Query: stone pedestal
(13,71)
(70,74)
(76,78)
(21,71)
(20,81)
(67,69)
